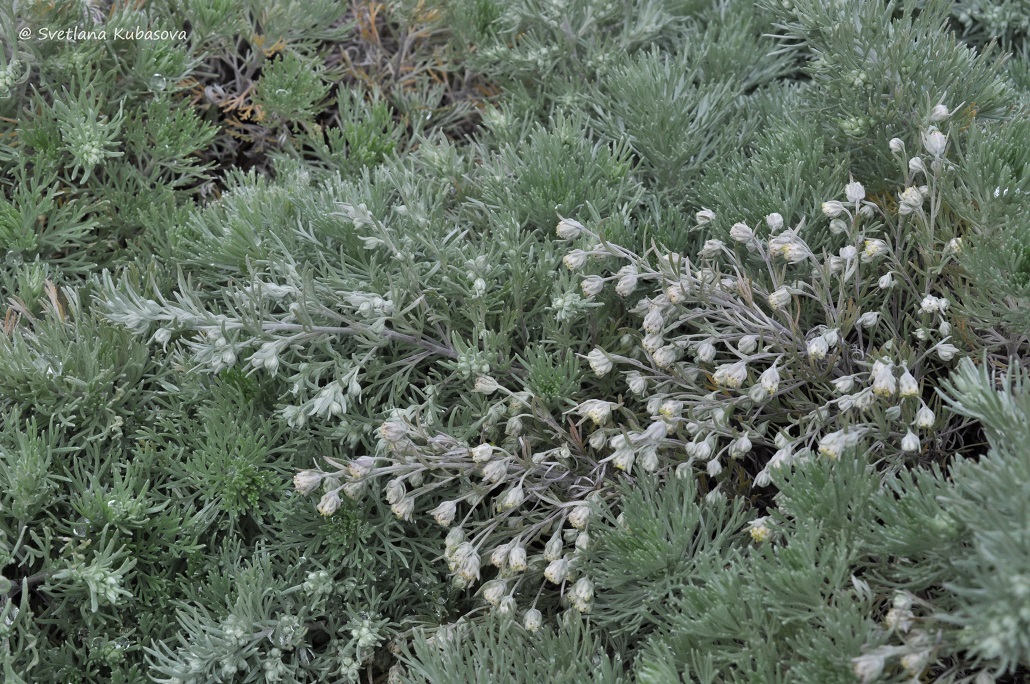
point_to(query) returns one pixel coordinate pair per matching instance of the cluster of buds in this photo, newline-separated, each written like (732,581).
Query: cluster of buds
(369,305)
(581,595)
(267,356)
(819,346)
(789,246)
(731,375)
(642,444)
(462,558)
(832,445)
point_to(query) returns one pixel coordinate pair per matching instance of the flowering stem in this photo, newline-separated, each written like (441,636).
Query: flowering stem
(435,347)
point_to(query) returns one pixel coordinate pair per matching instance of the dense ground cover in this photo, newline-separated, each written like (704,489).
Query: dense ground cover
(543,340)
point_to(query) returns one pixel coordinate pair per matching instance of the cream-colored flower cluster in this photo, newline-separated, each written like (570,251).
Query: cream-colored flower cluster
(816,344)
(525,539)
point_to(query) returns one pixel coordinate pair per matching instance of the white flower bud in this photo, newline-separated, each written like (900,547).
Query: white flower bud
(575,259)
(833,208)
(597,410)
(627,281)
(817,348)
(705,352)
(714,467)
(925,418)
(395,491)
(582,541)
(403,508)
(675,293)
(652,343)
(740,232)
(930,304)
(360,467)
(747,344)
(553,548)
(758,394)
(868,667)
(832,445)
(354,490)
(592,286)
(947,352)
(770,379)
(512,499)
(455,538)
(499,556)
(740,447)
(779,298)
(838,227)
(162,337)
(468,568)
(934,142)
(569,229)
(665,356)
(731,375)
(848,253)
(869,319)
(656,431)
(788,246)
(915,663)
(444,513)
(939,113)
(855,192)
(557,570)
(897,145)
(704,217)
(774,221)
(307,481)
(907,385)
(864,399)
(636,382)
(915,165)
(583,590)
(910,442)
(517,558)
(507,606)
(759,530)
(845,384)
(494,471)
(329,503)
(873,249)
(885,282)
(911,200)
(702,450)
(392,431)
(623,459)
(600,362)
(653,321)
(533,620)
(579,516)
(485,385)
(712,248)
(954,246)
(482,453)
(649,459)
(884,382)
